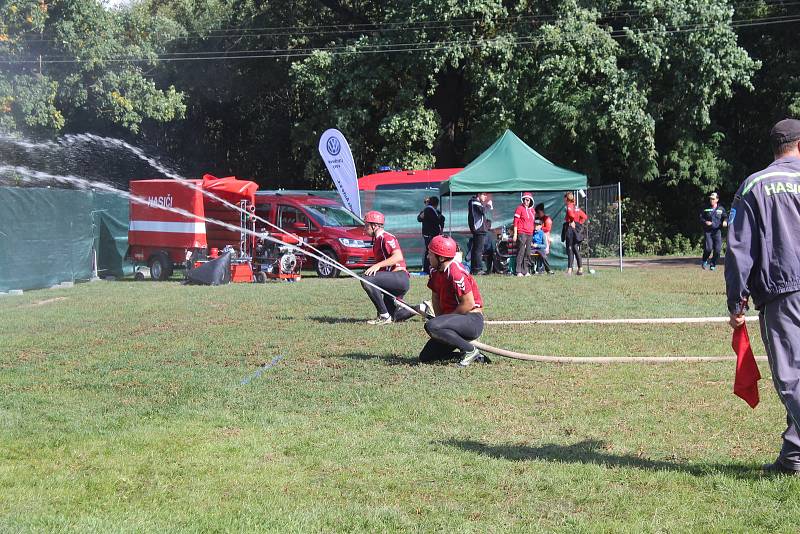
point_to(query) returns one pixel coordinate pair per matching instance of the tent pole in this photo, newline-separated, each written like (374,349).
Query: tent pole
(450,217)
(588,231)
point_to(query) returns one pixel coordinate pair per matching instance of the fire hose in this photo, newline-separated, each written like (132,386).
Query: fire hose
(79,182)
(319,256)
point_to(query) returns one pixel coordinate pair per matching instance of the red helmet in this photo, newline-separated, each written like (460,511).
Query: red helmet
(375,217)
(443,246)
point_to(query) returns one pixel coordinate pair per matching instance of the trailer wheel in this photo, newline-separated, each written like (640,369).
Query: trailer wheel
(160,266)
(325,270)
(261,277)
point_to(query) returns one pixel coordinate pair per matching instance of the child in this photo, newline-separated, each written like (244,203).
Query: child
(541,245)
(457,304)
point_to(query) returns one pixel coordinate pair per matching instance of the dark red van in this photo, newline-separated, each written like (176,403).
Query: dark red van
(324,223)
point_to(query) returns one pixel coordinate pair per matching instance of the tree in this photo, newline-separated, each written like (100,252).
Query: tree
(76,66)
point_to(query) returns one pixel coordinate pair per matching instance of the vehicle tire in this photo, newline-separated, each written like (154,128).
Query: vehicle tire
(325,270)
(160,266)
(138,276)
(261,277)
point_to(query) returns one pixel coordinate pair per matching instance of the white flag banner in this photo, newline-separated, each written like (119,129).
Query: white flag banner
(336,153)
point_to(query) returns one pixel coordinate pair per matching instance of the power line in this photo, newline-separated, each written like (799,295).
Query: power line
(380,27)
(401,47)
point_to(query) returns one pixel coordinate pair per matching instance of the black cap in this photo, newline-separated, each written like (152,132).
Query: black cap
(537,221)
(785,131)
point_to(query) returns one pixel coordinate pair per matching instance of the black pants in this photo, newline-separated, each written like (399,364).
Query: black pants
(449,333)
(542,257)
(712,243)
(395,282)
(426,265)
(573,248)
(523,253)
(476,257)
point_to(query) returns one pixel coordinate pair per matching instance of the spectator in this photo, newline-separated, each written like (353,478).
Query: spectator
(541,246)
(713,219)
(432,225)
(478,225)
(572,232)
(523,233)
(547,222)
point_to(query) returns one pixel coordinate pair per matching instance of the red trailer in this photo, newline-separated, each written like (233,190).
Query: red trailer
(164,240)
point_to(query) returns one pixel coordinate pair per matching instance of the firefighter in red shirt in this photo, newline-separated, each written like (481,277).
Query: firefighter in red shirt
(389,272)
(457,304)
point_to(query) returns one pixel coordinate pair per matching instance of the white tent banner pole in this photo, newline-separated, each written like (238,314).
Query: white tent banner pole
(338,159)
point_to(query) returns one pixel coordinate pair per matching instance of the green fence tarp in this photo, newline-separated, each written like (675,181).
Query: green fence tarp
(47,236)
(110,217)
(509,165)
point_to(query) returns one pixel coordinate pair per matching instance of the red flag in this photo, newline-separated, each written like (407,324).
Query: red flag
(745,385)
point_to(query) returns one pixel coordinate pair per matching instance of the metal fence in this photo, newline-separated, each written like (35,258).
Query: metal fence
(603,204)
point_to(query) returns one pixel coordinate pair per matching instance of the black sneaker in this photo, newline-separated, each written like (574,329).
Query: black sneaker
(778,469)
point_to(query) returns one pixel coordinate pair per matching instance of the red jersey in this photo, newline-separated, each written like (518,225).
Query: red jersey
(383,246)
(523,219)
(453,282)
(575,214)
(547,224)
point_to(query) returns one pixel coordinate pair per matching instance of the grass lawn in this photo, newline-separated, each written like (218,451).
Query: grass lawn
(123,408)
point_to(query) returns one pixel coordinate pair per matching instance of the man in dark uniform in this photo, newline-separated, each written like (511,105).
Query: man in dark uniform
(478,224)
(432,225)
(763,263)
(713,219)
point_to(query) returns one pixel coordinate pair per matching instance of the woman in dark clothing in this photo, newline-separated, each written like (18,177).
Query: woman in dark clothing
(573,232)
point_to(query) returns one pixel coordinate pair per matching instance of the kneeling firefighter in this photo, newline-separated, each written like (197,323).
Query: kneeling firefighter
(457,304)
(389,273)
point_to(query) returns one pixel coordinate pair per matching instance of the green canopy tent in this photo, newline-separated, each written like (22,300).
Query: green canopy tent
(511,166)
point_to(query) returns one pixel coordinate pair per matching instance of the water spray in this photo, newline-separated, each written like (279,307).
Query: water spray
(106,141)
(30,175)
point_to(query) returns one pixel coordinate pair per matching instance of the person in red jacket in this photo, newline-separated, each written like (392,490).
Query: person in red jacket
(457,304)
(389,273)
(547,221)
(573,232)
(523,232)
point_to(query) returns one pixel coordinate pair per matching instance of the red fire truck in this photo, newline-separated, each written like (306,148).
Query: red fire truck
(165,240)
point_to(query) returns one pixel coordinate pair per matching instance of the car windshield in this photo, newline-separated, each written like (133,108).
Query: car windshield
(331,215)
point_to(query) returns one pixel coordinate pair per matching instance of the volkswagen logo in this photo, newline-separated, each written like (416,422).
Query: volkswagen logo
(333,146)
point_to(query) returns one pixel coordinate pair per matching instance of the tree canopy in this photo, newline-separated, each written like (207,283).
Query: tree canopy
(666,94)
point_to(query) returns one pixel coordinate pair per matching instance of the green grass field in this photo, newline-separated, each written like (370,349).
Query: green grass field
(123,408)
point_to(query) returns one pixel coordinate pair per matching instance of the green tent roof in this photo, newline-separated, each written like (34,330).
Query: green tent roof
(510,165)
